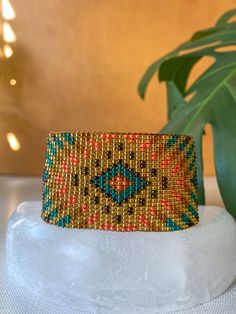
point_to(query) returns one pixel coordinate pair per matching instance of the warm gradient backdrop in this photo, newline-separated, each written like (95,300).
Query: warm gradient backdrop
(77,64)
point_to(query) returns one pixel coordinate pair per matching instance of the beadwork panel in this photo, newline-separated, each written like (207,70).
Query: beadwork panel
(120,181)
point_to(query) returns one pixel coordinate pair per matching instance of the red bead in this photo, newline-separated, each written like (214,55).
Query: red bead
(84,208)
(153,210)
(90,220)
(75,160)
(96,217)
(141,217)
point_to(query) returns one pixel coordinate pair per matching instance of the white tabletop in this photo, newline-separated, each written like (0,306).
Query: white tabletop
(16,300)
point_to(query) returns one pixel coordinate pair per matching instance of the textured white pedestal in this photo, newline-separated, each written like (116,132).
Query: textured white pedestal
(114,272)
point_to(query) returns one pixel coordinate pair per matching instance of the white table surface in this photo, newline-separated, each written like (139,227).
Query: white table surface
(16,300)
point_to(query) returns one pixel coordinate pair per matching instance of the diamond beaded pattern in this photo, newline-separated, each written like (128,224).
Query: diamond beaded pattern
(120,181)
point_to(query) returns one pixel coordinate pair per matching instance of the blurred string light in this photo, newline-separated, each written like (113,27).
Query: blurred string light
(7,33)
(7,51)
(13,82)
(7,14)
(7,10)
(13,141)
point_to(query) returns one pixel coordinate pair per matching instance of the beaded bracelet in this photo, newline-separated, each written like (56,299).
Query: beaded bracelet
(120,181)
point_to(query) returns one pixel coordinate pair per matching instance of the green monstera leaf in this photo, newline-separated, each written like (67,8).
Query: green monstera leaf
(213,99)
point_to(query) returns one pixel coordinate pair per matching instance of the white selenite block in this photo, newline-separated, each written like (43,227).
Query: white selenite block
(122,272)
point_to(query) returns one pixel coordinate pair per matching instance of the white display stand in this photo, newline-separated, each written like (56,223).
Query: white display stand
(122,272)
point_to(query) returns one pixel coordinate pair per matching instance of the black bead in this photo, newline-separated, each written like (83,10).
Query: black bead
(86,170)
(97,162)
(190,223)
(120,146)
(109,154)
(194,179)
(131,155)
(154,172)
(118,219)
(108,194)
(164,183)
(148,182)
(154,194)
(106,209)
(143,164)
(126,165)
(120,161)
(142,201)
(96,200)
(86,190)
(130,210)
(76,179)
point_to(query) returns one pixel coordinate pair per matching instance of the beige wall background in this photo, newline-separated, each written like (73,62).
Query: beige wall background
(77,64)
